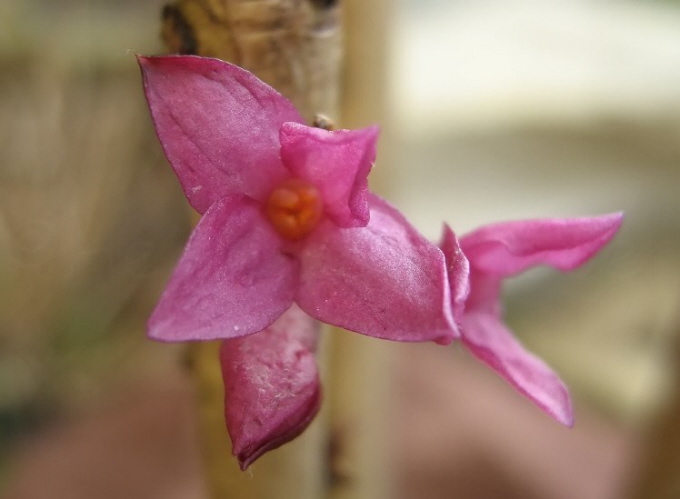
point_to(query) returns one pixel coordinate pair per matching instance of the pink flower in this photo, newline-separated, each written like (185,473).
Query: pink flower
(494,252)
(287,219)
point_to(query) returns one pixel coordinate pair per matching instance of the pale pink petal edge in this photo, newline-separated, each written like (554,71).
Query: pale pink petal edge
(458,271)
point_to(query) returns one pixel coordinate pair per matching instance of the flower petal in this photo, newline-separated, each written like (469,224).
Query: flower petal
(271,385)
(508,248)
(458,270)
(337,163)
(485,293)
(383,280)
(491,342)
(232,279)
(218,125)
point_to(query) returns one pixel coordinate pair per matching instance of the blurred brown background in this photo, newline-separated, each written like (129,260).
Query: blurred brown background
(497,110)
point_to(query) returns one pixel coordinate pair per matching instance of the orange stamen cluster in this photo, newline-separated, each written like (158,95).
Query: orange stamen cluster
(294,208)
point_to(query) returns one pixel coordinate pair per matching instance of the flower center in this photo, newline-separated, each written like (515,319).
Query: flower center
(294,208)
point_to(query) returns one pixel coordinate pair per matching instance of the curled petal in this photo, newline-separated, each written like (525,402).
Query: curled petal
(337,163)
(218,125)
(508,248)
(383,280)
(271,385)
(458,270)
(232,279)
(491,342)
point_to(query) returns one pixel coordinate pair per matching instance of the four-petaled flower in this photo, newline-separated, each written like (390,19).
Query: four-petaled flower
(495,252)
(290,232)
(290,235)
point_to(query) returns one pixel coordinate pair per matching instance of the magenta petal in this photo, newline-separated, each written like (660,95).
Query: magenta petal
(218,125)
(485,293)
(232,279)
(383,280)
(508,248)
(458,270)
(271,385)
(337,163)
(490,341)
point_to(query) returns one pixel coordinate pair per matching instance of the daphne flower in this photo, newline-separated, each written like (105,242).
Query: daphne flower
(289,233)
(287,217)
(495,252)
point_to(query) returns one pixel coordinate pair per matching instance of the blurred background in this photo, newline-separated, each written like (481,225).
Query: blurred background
(496,110)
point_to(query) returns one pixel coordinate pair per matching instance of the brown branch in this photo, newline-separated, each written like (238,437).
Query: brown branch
(359,366)
(294,45)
